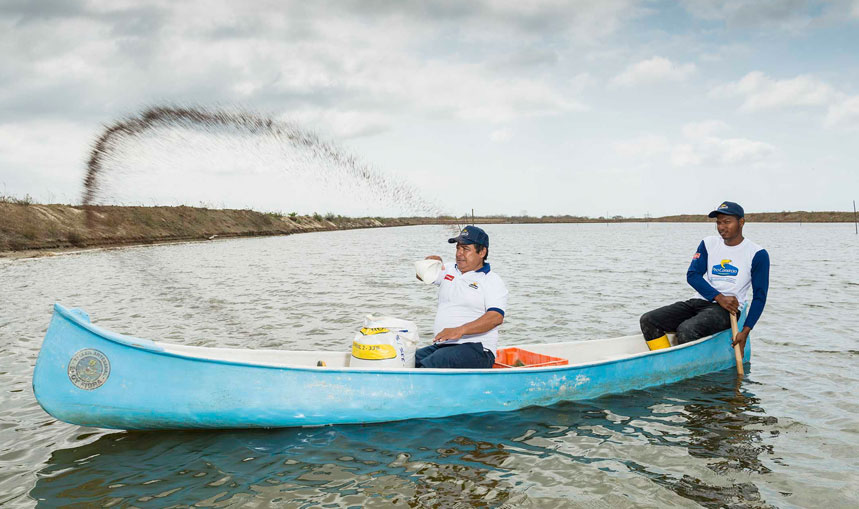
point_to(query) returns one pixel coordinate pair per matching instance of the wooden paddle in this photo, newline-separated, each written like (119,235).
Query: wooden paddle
(738,354)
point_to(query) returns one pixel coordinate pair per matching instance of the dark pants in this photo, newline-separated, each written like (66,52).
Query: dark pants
(465,355)
(692,319)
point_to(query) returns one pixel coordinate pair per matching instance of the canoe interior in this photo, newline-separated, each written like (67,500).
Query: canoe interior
(580,352)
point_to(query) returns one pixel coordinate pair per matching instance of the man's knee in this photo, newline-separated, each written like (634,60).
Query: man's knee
(435,357)
(645,321)
(423,353)
(686,332)
(649,329)
(467,355)
(701,326)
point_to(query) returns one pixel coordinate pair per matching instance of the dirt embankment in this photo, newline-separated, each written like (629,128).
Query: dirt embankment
(28,227)
(46,227)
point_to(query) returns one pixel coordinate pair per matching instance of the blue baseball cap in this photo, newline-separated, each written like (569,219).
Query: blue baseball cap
(729,208)
(471,235)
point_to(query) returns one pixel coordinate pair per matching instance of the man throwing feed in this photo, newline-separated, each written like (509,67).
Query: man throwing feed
(471,305)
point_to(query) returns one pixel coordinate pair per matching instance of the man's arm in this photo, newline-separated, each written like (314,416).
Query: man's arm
(695,274)
(485,323)
(760,287)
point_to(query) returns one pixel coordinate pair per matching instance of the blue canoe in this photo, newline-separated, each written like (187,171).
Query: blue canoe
(90,376)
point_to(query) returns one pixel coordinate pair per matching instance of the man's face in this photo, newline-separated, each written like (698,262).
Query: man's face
(729,227)
(469,256)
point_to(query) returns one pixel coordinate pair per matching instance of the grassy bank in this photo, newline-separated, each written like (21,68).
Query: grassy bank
(30,226)
(45,227)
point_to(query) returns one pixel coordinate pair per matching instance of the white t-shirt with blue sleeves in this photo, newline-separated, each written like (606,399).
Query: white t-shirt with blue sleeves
(731,270)
(463,298)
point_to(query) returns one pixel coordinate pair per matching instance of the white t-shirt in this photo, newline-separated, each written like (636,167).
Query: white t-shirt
(463,298)
(729,268)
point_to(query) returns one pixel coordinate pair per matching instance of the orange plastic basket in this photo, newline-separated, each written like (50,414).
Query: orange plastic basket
(518,358)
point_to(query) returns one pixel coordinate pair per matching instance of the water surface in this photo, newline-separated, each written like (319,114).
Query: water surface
(785,437)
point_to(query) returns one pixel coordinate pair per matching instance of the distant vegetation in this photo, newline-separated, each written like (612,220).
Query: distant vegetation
(25,225)
(758,217)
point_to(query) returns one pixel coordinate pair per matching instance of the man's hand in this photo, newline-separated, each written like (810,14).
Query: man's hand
(431,257)
(448,334)
(728,303)
(485,323)
(741,338)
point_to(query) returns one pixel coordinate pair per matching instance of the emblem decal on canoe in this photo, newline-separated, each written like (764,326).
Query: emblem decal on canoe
(89,369)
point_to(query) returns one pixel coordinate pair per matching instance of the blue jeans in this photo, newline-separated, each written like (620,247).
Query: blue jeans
(465,355)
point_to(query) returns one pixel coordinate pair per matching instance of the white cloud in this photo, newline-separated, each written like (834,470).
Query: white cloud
(701,144)
(760,92)
(647,146)
(501,135)
(293,58)
(684,155)
(705,129)
(582,82)
(706,144)
(738,150)
(466,91)
(844,112)
(340,124)
(653,70)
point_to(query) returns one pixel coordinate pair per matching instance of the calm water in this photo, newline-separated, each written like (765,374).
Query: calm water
(788,436)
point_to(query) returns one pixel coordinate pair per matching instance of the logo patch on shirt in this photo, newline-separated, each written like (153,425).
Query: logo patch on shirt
(448,277)
(473,285)
(697,255)
(725,269)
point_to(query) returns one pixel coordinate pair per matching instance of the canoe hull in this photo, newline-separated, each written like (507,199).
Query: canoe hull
(149,388)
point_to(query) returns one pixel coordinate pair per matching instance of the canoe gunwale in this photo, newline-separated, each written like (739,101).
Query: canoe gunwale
(122,339)
(153,347)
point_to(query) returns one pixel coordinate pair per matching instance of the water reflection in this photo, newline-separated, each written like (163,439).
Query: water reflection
(702,441)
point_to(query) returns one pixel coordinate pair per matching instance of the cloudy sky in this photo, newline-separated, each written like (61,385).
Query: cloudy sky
(558,107)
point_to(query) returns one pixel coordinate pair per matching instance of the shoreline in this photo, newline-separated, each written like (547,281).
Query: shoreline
(36,230)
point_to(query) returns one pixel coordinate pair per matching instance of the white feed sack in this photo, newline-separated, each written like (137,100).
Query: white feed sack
(385,343)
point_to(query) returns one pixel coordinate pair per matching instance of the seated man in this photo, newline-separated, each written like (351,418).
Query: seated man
(471,303)
(722,271)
